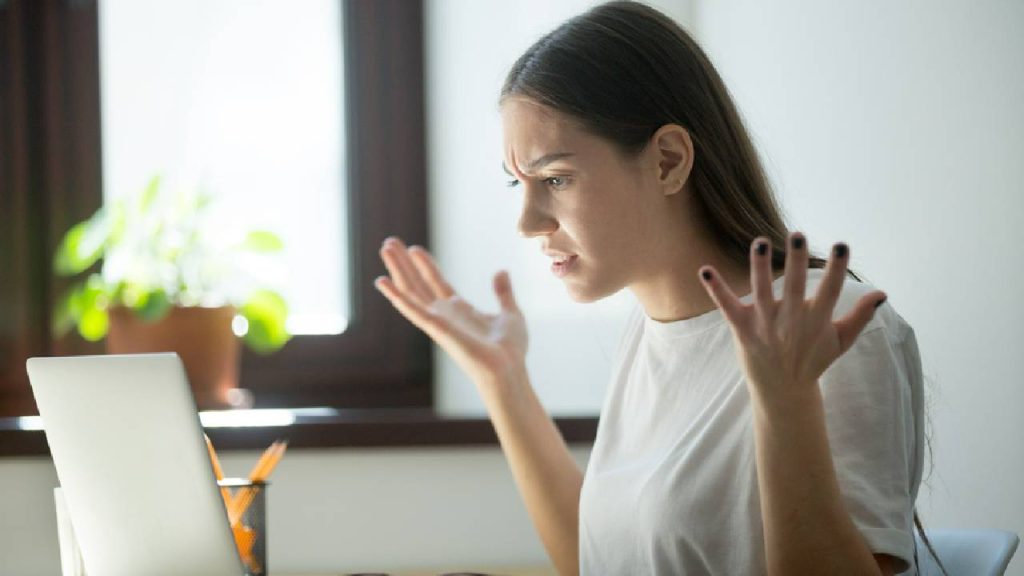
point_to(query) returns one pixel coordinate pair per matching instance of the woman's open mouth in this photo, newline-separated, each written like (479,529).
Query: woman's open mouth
(564,266)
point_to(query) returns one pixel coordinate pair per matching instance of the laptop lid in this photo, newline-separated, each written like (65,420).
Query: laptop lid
(130,455)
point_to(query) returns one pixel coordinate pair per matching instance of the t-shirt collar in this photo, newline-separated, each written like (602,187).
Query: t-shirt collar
(712,318)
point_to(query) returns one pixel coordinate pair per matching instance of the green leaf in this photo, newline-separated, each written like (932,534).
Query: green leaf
(67,311)
(94,323)
(118,220)
(153,306)
(266,312)
(82,245)
(64,262)
(149,194)
(90,307)
(120,294)
(262,241)
(97,289)
(202,200)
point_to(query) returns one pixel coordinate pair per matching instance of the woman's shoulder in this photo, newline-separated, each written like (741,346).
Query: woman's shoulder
(886,316)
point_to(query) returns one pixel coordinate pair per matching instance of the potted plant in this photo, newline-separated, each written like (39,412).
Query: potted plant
(172,279)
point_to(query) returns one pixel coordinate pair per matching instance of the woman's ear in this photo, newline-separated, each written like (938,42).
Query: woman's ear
(673,151)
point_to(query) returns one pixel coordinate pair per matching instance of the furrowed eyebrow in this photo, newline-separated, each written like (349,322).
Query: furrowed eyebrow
(540,162)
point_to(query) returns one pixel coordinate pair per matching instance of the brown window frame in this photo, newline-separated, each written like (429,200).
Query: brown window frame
(49,173)
(381,360)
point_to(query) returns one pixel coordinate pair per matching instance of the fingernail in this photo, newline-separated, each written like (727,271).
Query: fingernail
(798,242)
(880,302)
(762,248)
(706,274)
(840,250)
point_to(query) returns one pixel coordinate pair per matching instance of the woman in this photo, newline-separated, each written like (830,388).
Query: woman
(764,413)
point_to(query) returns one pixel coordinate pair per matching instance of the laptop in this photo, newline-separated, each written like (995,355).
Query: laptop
(133,465)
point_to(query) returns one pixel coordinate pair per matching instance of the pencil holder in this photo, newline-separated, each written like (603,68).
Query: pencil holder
(246,503)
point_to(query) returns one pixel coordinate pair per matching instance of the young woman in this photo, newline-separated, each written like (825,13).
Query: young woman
(764,413)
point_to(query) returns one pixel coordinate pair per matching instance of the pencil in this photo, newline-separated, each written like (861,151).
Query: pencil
(260,472)
(275,456)
(264,458)
(218,471)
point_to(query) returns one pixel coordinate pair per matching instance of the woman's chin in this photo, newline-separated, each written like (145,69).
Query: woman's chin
(584,293)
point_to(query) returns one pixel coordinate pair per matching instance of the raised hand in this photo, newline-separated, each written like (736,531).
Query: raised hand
(490,348)
(785,345)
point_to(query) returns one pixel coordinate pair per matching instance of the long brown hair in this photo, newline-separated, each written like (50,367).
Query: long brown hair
(623,70)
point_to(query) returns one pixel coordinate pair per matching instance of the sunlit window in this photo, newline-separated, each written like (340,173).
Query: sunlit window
(242,99)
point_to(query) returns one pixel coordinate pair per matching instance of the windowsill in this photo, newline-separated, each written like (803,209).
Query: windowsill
(326,428)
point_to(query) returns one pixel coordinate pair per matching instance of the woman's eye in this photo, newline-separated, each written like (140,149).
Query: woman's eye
(557,181)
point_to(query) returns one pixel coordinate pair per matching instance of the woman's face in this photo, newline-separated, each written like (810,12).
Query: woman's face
(584,199)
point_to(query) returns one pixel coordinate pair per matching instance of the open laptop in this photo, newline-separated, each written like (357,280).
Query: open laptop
(133,465)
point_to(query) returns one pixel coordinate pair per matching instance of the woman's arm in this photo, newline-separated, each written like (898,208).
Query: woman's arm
(784,347)
(491,349)
(544,470)
(806,527)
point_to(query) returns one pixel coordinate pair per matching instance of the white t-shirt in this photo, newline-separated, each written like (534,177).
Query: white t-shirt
(671,485)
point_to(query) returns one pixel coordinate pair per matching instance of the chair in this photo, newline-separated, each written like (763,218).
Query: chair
(966,552)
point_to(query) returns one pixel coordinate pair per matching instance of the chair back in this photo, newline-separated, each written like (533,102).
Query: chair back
(966,552)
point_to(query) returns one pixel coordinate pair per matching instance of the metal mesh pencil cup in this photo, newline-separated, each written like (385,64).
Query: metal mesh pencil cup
(249,502)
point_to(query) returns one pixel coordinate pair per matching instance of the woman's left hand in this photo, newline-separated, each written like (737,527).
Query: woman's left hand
(785,345)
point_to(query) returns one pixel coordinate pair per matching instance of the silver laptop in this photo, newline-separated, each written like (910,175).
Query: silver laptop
(133,465)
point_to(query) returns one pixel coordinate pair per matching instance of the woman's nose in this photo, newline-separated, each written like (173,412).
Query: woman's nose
(535,222)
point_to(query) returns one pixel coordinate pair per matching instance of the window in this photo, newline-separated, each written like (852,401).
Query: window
(244,100)
(50,166)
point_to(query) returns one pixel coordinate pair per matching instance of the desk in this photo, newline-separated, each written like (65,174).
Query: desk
(493,571)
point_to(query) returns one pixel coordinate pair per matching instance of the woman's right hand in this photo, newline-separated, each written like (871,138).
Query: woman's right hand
(490,348)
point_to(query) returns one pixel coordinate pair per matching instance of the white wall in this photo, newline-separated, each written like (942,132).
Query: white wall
(330,511)
(899,128)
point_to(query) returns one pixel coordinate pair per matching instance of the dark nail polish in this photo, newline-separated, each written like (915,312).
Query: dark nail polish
(706,274)
(762,248)
(880,302)
(840,250)
(798,242)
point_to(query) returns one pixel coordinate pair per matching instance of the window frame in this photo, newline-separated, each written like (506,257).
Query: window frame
(381,360)
(50,170)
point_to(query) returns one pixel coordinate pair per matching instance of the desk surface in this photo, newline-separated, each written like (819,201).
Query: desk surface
(473,571)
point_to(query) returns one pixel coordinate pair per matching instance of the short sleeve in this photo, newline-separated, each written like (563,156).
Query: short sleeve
(870,418)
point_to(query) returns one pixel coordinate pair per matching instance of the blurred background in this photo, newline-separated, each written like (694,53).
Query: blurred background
(896,128)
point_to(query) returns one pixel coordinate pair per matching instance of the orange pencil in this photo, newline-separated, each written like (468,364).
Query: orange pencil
(268,466)
(217,470)
(262,462)
(260,472)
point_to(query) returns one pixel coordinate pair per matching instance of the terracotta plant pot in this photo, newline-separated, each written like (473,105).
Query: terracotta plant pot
(203,339)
